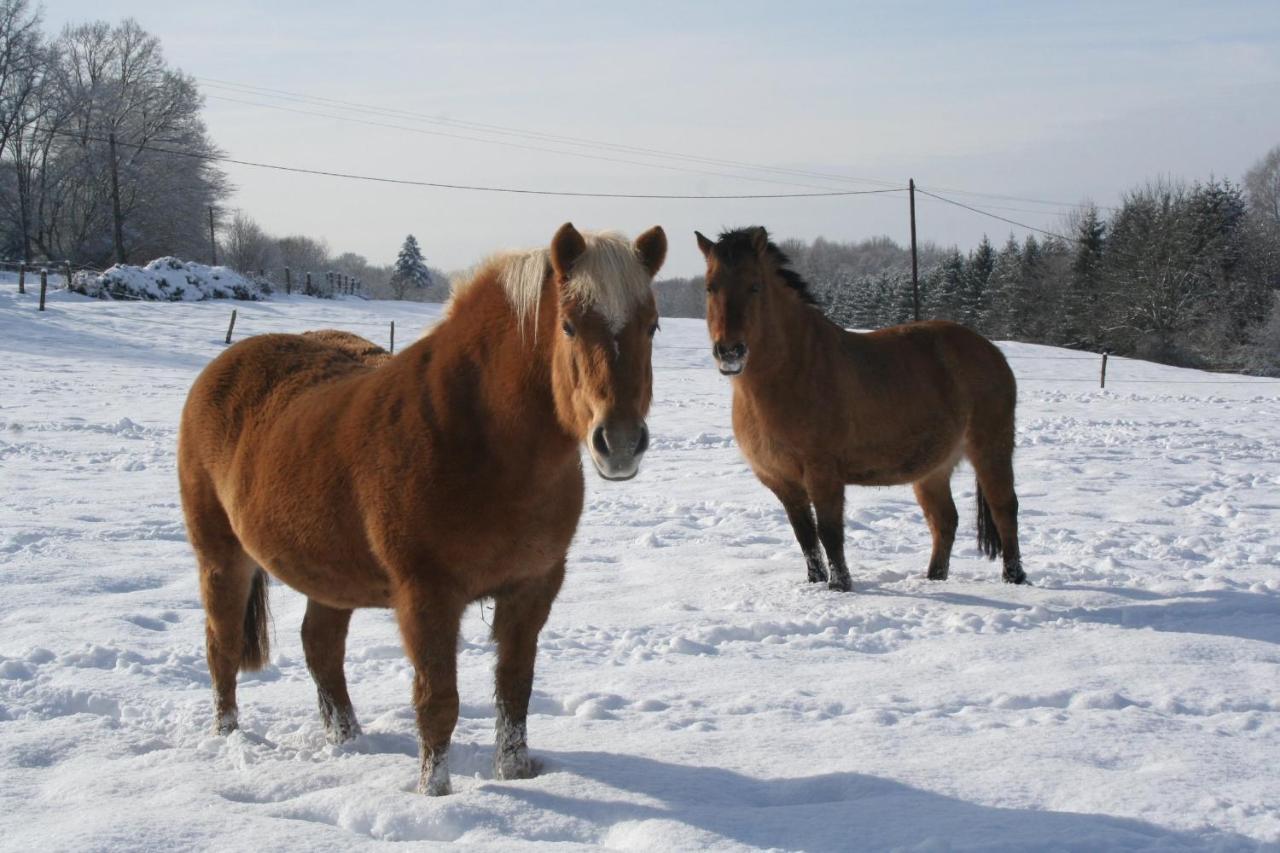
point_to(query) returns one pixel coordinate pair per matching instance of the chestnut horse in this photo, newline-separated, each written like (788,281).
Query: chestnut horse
(448,473)
(816,407)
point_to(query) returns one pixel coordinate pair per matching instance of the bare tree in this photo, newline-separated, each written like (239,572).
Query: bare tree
(24,65)
(247,248)
(1262,183)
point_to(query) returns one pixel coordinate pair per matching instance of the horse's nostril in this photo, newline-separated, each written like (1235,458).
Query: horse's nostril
(738,351)
(598,441)
(643,444)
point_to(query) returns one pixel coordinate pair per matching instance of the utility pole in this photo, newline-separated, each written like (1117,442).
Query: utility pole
(118,220)
(213,243)
(915,270)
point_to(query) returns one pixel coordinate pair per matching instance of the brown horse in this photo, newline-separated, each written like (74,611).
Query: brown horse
(816,408)
(449,473)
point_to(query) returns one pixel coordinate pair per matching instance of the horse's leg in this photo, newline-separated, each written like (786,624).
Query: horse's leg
(324,641)
(226,585)
(429,623)
(934,495)
(800,514)
(993,466)
(828,500)
(518,615)
(228,581)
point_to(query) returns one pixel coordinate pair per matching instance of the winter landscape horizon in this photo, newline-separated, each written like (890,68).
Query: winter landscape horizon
(693,691)
(1093,188)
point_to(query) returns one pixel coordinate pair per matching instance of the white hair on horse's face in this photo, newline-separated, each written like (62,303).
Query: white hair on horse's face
(608,278)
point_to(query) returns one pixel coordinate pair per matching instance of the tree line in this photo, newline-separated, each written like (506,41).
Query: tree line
(83,119)
(1182,273)
(104,158)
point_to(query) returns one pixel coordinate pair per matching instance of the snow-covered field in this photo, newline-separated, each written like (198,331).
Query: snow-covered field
(692,690)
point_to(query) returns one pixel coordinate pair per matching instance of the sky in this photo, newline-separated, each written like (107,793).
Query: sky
(1058,102)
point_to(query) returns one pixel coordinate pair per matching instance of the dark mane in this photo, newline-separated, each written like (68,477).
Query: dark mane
(736,245)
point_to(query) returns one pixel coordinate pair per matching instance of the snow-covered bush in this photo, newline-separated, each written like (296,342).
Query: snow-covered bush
(171,280)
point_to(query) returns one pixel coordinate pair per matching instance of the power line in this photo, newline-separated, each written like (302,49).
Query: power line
(999,197)
(505,144)
(505,130)
(220,158)
(246,88)
(994,215)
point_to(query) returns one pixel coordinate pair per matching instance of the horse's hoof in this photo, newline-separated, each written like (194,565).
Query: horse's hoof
(840,585)
(226,723)
(816,578)
(435,788)
(342,730)
(937,576)
(434,778)
(339,736)
(1014,574)
(514,765)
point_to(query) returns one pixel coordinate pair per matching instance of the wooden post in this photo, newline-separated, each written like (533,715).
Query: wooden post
(915,269)
(213,243)
(1104,370)
(68,275)
(232,325)
(308,290)
(288,282)
(116,216)
(22,277)
(393,337)
(44,285)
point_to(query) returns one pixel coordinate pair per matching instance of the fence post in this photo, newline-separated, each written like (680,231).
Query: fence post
(308,290)
(44,285)
(1103,383)
(393,337)
(232,325)
(288,282)
(68,275)
(22,277)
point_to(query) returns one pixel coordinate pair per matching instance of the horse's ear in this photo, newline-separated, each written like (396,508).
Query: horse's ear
(760,240)
(566,248)
(704,245)
(652,248)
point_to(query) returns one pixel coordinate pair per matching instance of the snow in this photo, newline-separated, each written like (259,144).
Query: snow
(692,690)
(168,280)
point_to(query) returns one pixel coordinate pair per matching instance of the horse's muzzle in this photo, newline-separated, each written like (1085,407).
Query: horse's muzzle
(730,359)
(616,449)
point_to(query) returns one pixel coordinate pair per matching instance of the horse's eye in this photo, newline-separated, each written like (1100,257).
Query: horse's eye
(653,330)
(569,331)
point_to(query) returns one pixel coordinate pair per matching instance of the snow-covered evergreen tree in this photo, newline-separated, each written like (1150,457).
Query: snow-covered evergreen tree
(977,275)
(410,269)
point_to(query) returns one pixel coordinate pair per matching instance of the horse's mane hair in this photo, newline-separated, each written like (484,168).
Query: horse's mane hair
(738,244)
(609,278)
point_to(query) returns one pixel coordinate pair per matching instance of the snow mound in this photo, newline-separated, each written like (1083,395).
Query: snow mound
(170,280)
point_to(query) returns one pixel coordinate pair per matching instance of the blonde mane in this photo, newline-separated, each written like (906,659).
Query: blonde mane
(609,278)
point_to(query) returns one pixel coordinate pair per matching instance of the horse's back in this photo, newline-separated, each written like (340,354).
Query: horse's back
(950,357)
(251,384)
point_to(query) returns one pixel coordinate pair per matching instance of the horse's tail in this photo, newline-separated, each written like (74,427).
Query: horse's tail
(988,534)
(257,616)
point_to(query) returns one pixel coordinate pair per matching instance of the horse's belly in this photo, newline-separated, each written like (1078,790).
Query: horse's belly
(327,562)
(903,462)
(345,586)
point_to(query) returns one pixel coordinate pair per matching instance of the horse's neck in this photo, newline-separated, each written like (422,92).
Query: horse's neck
(797,345)
(508,375)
